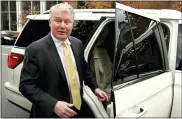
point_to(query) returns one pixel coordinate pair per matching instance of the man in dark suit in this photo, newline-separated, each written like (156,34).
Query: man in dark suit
(54,69)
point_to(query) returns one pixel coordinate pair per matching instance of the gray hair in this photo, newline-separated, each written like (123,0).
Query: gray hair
(64,7)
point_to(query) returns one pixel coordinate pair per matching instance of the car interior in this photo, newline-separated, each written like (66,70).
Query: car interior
(101,58)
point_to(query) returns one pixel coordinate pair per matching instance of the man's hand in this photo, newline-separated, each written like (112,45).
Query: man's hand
(102,96)
(62,109)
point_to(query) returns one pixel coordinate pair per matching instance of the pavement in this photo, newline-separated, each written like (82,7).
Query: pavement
(8,110)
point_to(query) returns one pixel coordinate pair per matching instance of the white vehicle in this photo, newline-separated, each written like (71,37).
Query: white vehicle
(135,54)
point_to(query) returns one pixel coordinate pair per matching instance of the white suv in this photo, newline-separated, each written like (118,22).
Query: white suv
(135,55)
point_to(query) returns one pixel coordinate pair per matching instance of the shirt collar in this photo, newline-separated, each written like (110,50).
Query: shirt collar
(59,42)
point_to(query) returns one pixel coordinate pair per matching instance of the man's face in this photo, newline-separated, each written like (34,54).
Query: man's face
(61,24)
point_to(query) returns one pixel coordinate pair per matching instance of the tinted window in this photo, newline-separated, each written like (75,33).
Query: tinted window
(138,48)
(36,29)
(83,29)
(179,49)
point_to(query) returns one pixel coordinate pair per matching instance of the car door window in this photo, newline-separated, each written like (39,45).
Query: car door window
(138,53)
(179,49)
(82,29)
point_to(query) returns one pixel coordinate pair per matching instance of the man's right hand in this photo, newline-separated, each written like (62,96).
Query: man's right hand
(62,109)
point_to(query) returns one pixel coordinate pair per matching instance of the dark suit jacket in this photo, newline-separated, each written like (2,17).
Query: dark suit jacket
(43,80)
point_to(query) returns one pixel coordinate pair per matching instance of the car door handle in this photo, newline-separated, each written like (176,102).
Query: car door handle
(135,112)
(138,112)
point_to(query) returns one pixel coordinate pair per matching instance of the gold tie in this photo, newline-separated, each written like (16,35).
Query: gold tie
(71,73)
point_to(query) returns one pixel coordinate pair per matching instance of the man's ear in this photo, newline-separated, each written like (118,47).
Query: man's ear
(49,22)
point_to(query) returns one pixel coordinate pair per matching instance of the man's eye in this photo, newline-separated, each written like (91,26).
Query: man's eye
(57,20)
(67,22)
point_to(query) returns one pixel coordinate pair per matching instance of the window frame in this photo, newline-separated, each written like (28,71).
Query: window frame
(46,2)
(9,12)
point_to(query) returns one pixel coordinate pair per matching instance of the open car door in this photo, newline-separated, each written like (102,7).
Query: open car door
(142,82)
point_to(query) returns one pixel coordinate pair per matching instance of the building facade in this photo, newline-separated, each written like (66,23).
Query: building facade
(13,13)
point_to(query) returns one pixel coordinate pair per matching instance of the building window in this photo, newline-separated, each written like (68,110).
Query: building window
(32,7)
(8,19)
(49,4)
(27,8)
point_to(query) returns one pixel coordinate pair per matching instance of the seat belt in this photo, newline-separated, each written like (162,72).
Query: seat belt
(97,69)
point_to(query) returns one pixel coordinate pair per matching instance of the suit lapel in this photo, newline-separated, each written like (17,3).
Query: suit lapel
(55,56)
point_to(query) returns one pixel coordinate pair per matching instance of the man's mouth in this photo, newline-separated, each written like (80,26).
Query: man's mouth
(62,32)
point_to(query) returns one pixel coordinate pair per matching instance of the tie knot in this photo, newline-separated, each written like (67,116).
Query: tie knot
(64,43)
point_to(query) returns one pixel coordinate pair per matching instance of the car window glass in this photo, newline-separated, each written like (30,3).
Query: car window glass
(179,49)
(139,56)
(36,29)
(83,29)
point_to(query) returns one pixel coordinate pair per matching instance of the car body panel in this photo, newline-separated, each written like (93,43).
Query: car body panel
(13,94)
(152,100)
(136,11)
(164,14)
(177,104)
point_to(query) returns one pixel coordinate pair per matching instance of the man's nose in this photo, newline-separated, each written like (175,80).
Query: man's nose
(62,24)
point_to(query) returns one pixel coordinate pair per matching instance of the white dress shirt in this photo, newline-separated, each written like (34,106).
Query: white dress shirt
(59,47)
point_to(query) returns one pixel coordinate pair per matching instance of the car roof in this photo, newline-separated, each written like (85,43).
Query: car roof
(80,14)
(164,13)
(96,14)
